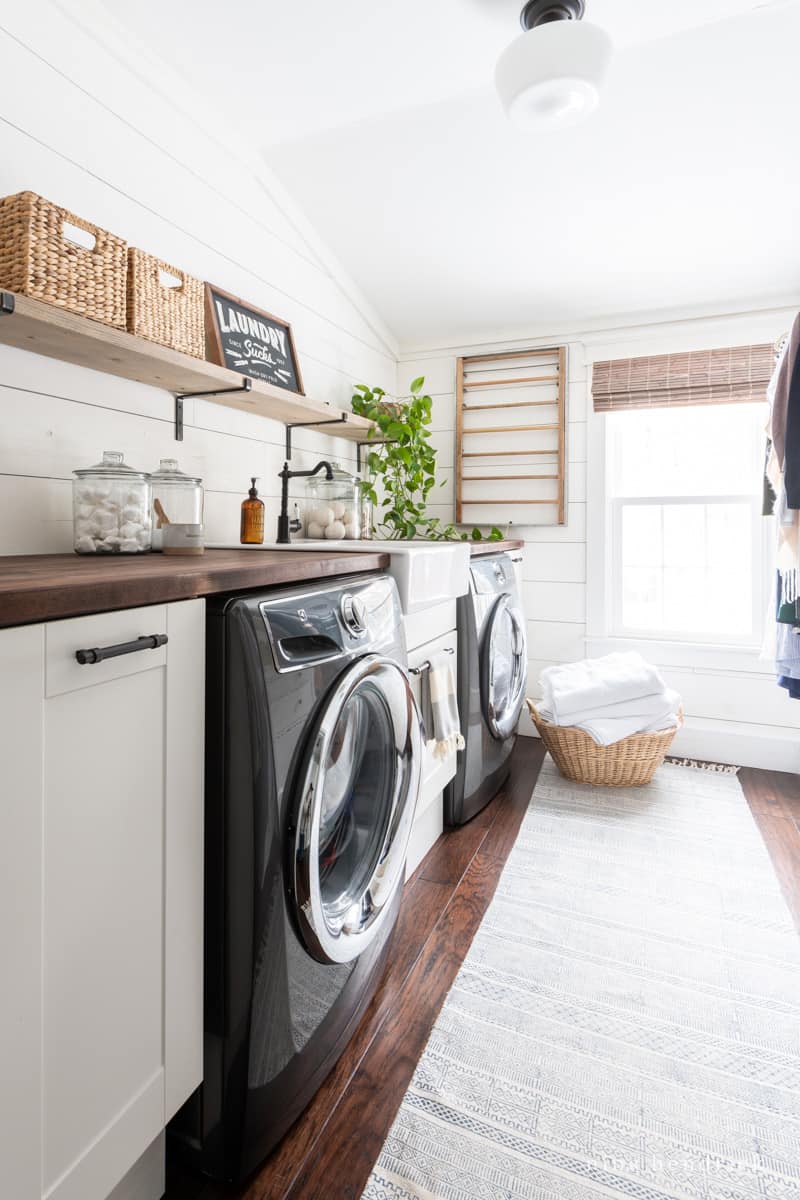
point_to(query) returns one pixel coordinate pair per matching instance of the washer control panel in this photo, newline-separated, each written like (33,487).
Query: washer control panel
(354,614)
(309,627)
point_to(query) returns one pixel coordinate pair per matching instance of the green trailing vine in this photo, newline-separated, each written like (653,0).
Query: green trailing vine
(401,467)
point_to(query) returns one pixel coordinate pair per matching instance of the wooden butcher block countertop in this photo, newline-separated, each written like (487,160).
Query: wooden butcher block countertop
(481,549)
(43,587)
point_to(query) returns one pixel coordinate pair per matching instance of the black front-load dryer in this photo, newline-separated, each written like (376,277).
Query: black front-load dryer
(313,763)
(492,678)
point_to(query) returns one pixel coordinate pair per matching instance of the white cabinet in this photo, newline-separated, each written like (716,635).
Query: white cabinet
(101,828)
(428,634)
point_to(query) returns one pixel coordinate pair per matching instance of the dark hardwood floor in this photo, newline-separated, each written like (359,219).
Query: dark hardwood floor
(774,799)
(329,1152)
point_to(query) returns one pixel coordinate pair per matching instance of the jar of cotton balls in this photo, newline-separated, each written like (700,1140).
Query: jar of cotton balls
(111,508)
(333,506)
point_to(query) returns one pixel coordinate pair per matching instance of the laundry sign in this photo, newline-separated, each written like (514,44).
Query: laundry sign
(250,341)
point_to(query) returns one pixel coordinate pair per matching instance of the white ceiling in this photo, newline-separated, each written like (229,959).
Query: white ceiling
(682,190)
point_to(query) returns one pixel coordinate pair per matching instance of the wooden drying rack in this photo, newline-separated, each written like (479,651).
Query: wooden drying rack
(527,382)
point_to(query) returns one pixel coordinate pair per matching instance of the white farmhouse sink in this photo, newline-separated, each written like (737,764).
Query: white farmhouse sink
(426,573)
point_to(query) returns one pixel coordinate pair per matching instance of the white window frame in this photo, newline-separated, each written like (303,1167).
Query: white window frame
(619,629)
(601,633)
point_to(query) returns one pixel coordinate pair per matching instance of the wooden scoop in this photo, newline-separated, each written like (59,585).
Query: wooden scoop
(163,519)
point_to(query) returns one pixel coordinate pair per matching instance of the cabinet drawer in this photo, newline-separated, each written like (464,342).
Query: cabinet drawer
(423,627)
(63,672)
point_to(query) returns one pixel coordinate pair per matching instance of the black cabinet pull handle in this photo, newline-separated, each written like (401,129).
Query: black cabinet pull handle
(98,654)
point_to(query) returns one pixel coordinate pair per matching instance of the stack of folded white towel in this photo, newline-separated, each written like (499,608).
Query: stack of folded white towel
(609,698)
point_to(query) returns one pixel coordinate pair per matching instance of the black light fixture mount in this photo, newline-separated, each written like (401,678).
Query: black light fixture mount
(541,12)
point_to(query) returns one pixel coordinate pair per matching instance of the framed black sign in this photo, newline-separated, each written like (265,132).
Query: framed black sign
(250,341)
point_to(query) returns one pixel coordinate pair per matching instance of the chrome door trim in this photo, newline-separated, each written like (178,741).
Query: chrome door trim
(345,937)
(502,724)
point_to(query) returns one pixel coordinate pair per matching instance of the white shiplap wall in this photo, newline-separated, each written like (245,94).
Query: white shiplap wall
(732,714)
(89,120)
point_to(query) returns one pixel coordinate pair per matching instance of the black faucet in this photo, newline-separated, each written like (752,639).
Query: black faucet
(285,475)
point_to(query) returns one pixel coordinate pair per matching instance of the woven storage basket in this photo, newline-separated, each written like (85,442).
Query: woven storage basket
(629,763)
(170,315)
(38,259)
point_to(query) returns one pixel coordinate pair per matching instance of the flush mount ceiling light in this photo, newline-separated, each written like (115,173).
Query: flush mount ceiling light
(552,73)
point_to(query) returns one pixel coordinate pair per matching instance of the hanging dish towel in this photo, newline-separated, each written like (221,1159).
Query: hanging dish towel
(440,708)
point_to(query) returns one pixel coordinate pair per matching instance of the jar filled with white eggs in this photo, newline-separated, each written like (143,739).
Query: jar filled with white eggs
(111,508)
(333,506)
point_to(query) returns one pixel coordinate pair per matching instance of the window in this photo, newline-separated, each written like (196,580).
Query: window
(683,488)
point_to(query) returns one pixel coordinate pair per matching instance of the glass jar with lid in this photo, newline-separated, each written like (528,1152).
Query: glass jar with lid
(367,517)
(177,499)
(333,506)
(111,508)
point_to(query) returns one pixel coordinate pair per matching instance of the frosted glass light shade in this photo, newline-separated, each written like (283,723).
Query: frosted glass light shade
(552,75)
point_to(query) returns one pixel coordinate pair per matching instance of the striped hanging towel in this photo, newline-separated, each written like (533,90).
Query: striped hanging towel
(440,708)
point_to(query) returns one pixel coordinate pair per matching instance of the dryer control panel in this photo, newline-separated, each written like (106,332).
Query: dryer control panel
(492,575)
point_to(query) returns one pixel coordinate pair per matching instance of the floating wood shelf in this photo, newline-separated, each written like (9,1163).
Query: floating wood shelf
(45,329)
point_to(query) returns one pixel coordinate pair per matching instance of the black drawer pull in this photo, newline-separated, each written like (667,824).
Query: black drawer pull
(98,654)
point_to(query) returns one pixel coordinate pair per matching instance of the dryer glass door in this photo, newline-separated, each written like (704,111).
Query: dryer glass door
(503,668)
(357,793)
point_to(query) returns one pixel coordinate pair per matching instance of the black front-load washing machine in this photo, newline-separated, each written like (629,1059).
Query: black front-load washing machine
(312,772)
(492,677)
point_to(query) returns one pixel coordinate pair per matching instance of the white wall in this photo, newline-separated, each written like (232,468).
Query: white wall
(735,711)
(88,120)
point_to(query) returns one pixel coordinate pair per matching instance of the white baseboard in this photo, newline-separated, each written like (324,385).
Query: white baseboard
(764,746)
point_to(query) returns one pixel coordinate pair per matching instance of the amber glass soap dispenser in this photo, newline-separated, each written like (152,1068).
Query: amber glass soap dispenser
(252,527)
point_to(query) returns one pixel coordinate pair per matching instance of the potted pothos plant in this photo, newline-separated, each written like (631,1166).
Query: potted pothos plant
(401,466)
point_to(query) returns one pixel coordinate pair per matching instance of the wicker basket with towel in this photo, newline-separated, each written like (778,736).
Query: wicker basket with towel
(607,721)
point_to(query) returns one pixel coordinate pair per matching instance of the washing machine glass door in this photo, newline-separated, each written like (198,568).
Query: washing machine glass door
(503,668)
(357,793)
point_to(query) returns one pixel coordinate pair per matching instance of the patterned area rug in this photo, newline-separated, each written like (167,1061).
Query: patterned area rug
(627,1020)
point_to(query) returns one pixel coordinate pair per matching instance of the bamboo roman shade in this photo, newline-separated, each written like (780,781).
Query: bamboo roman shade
(735,374)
